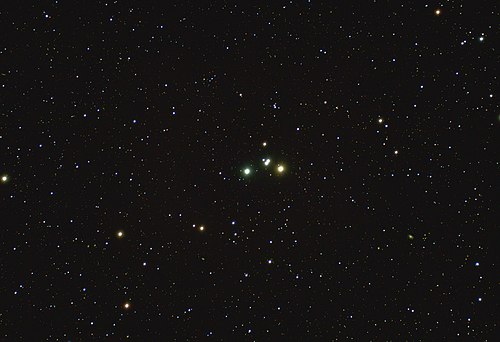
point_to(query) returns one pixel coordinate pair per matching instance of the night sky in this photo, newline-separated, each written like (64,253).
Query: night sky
(249,170)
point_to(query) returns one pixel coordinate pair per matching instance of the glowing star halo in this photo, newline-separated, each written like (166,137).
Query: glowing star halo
(5,178)
(280,169)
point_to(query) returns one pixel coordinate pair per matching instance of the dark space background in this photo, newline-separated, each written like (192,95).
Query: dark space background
(126,128)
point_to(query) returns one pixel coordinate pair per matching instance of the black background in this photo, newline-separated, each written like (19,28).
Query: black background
(141,116)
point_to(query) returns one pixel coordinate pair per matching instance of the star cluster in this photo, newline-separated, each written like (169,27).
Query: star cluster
(249,170)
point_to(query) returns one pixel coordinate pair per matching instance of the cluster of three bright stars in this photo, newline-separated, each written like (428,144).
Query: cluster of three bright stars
(266,161)
(279,168)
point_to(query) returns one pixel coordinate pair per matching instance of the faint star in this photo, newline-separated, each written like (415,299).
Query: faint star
(264,144)
(201,228)
(380,120)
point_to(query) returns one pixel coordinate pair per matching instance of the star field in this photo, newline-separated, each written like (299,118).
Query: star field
(249,170)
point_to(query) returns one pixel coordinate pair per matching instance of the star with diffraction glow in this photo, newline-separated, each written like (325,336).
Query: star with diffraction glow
(5,178)
(120,234)
(280,169)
